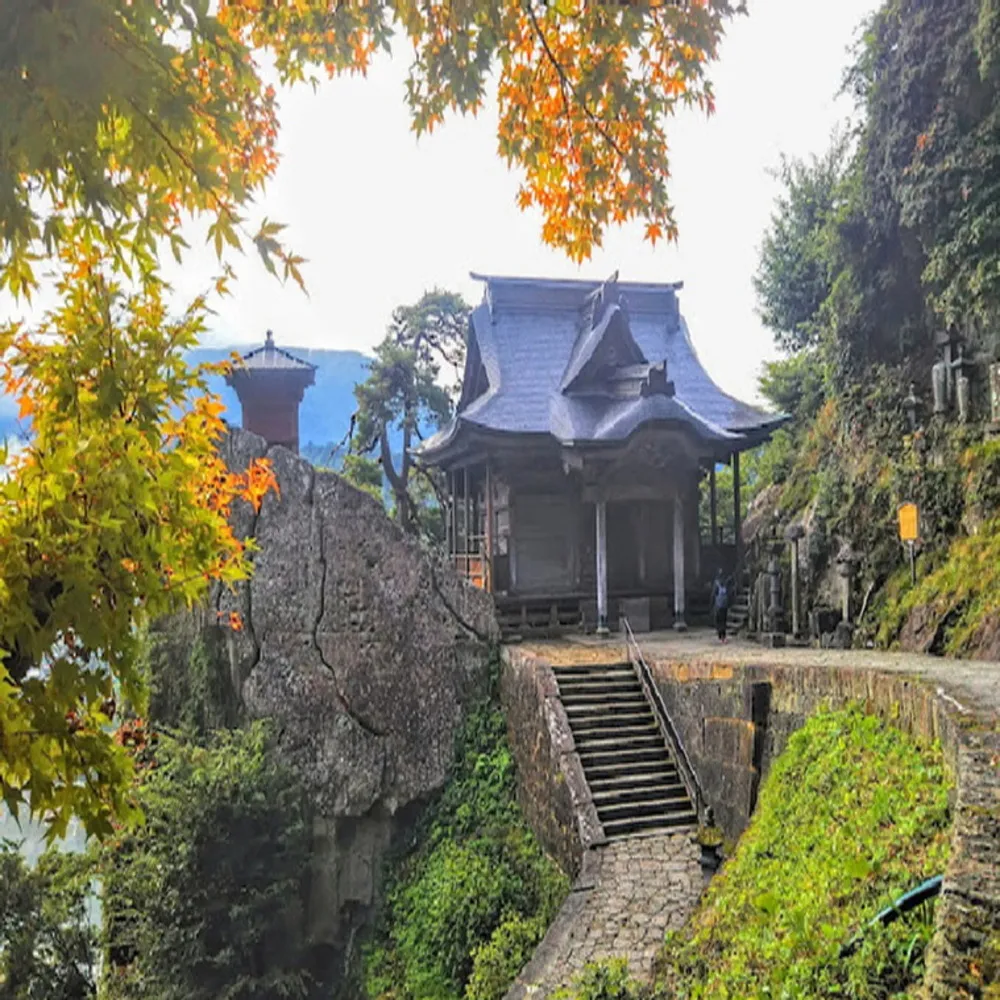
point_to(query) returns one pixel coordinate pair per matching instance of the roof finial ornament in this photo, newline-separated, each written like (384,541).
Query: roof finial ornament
(269,339)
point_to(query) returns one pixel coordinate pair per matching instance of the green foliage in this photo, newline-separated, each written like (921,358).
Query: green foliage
(190,687)
(476,893)
(602,981)
(796,385)
(496,963)
(852,814)
(47,945)
(794,276)
(365,473)
(403,393)
(203,901)
(961,596)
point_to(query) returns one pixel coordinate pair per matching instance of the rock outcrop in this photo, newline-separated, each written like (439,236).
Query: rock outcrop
(365,650)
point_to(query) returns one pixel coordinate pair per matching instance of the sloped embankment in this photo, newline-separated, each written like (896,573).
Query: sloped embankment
(853,813)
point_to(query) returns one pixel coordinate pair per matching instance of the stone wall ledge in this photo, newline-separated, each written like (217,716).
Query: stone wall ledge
(552,789)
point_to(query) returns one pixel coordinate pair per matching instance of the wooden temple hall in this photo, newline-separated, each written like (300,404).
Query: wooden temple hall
(584,431)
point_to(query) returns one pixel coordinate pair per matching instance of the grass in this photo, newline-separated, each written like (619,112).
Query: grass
(853,813)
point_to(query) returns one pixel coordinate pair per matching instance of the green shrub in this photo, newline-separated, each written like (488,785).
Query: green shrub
(496,963)
(602,981)
(203,900)
(48,949)
(852,814)
(474,892)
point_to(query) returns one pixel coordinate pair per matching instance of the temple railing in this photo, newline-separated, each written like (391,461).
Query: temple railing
(666,725)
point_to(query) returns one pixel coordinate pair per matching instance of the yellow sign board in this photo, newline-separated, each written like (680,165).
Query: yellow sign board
(909,522)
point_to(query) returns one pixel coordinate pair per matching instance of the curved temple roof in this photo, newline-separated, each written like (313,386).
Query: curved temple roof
(590,363)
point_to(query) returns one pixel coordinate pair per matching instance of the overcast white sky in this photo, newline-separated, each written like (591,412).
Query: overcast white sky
(382,217)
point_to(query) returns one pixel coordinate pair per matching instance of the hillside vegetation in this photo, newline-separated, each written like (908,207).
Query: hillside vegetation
(876,250)
(472,893)
(852,814)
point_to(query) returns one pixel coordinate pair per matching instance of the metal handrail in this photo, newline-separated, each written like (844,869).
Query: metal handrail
(667,728)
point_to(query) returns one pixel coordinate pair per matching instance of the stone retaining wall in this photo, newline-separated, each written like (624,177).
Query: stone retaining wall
(735,719)
(551,787)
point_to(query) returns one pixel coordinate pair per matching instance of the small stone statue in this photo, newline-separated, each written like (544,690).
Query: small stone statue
(939,387)
(963,391)
(962,384)
(995,393)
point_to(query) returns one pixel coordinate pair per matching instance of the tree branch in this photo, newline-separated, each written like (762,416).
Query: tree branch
(566,88)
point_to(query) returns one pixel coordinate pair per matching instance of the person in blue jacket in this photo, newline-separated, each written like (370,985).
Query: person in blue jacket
(720,604)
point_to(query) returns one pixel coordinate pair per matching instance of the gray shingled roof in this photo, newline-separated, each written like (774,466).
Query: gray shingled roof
(535,338)
(272,358)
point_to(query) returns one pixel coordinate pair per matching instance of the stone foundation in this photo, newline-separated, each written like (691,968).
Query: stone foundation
(551,787)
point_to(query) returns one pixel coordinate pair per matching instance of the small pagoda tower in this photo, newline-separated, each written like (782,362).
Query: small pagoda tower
(270,384)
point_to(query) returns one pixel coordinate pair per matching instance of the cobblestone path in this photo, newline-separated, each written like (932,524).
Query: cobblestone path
(629,894)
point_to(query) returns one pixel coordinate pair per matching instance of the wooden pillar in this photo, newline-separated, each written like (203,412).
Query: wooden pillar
(713,505)
(467,519)
(641,534)
(679,583)
(453,517)
(737,517)
(602,567)
(488,565)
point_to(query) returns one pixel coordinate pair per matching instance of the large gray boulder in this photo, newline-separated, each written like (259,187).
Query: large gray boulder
(366,651)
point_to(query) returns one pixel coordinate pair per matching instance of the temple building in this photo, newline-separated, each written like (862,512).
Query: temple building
(584,430)
(270,384)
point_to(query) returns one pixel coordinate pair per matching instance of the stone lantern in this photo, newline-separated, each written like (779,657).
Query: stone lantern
(846,564)
(775,634)
(794,533)
(995,395)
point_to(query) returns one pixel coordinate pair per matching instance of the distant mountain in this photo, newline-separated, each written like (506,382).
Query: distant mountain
(325,415)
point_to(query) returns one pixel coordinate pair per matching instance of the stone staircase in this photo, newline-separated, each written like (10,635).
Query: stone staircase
(631,772)
(738,613)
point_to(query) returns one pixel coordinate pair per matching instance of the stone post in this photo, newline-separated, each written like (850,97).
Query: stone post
(963,392)
(774,623)
(995,394)
(774,615)
(939,387)
(794,533)
(846,561)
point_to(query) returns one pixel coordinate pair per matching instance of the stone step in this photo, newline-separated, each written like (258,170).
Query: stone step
(619,829)
(640,793)
(605,743)
(609,811)
(620,775)
(595,759)
(594,675)
(584,736)
(598,692)
(593,702)
(574,669)
(611,720)
(623,683)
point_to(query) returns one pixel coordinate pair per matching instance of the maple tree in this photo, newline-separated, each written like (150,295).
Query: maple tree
(115,512)
(123,120)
